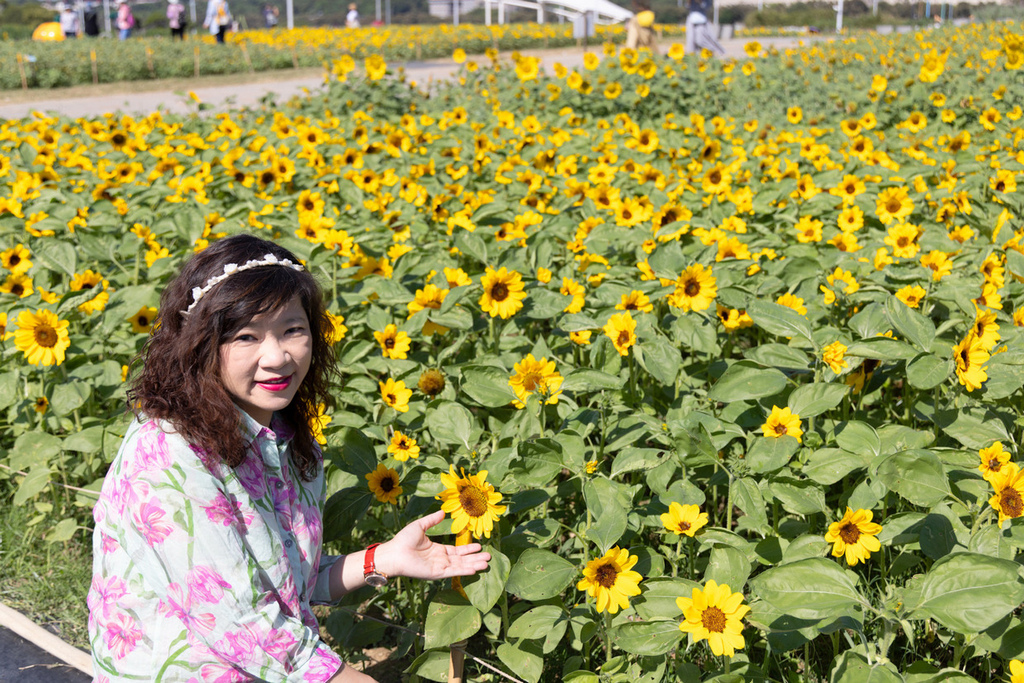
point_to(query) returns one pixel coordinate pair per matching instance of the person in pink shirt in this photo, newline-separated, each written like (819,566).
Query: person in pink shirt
(207,546)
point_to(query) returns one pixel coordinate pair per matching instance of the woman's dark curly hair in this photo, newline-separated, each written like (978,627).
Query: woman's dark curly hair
(180,380)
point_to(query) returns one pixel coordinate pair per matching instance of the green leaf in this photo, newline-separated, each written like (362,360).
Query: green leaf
(746,380)
(343,510)
(815,588)
(828,465)
(608,503)
(8,388)
(487,385)
(33,448)
(852,667)
(451,423)
(747,497)
(539,575)
(68,396)
(89,440)
(779,356)
(632,459)
(798,496)
(63,531)
(32,484)
(913,326)
(916,475)
(651,639)
(658,600)
(972,428)
(535,623)
(525,659)
(927,371)
(357,454)
(450,618)
(540,461)
(484,589)
(779,320)
(769,454)
(882,348)
(968,592)
(858,437)
(728,566)
(59,256)
(661,359)
(591,380)
(814,399)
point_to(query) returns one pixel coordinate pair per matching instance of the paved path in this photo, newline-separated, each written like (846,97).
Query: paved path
(23,662)
(224,97)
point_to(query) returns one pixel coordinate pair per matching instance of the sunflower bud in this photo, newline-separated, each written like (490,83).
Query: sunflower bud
(431,382)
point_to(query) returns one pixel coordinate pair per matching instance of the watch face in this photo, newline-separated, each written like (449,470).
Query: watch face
(376,580)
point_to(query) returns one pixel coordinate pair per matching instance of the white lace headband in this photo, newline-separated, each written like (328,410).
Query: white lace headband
(232,268)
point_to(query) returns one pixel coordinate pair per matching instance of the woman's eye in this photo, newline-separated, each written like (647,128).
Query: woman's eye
(296,330)
(245,338)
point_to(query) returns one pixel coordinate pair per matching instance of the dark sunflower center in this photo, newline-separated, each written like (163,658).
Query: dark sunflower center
(715,177)
(473,501)
(849,533)
(387,484)
(392,399)
(17,290)
(631,306)
(964,358)
(623,338)
(1000,186)
(389,343)
(994,465)
(143,321)
(403,445)
(684,526)
(46,336)
(606,575)
(903,241)
(780,429)
(692,288)
(713,619)
(893,205)
(14,260)
(1011,503)
(499,292)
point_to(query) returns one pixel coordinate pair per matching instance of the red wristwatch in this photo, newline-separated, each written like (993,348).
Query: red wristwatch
(370,574)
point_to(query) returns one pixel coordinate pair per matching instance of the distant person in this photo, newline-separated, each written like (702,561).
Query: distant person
(698,29)
(352,18)
(218,18)
(91,18)
(68,20)
(640,31)
(176,19)
(125,20)
(270,15)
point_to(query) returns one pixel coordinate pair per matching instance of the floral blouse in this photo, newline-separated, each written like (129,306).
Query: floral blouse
(203,572)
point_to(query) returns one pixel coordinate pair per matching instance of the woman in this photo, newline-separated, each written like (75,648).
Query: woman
(206,552)
(125,20)
(218,18)
(176,19)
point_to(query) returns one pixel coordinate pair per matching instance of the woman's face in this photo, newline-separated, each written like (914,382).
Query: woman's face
(263,363)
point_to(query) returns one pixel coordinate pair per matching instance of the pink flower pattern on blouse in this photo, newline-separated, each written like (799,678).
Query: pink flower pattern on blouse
(206,573)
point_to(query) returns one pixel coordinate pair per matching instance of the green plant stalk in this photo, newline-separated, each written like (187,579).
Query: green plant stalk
(607,635)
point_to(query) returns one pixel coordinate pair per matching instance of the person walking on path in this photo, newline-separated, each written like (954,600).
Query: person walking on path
(640,31)
(207,549)
(218,18)
(68,21)
(176,19)
(125,20)
(698,29)
(352,18)
(270,14)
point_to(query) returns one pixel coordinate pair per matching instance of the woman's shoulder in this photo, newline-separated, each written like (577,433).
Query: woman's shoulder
(154,443)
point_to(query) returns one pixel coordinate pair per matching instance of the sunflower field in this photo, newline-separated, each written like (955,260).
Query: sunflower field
(722,360)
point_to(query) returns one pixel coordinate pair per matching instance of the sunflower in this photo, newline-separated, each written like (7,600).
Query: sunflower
(714,614)
(985,328)
(993,459)
(635,301)
(939,263)
(403,447)
(456,277)
(970,358)
(582,338)
(471,502)
(41,404)
(782,422)
(42,337)
(854,536)
(20,285)
(808,230)
(337,330)
(792,301)
(376,67)
(794,115)
(902,238)
(1008,499)
(431,382)
(1016,668)
(695,290)
(911,295)
(832,356)
(684,520)
(384,484)
(5,334)
(393,343)
(621,329)
(395,395)
(734,319)
(142,321)
(319,421)
(575,290)
(530,376)
(892,204)
(851,219)
(16,259)
(503,292)
(611,580)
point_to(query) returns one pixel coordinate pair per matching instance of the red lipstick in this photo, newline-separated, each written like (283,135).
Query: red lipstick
(276,384)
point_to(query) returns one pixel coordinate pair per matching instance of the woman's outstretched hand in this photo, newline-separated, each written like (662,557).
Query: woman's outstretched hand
(411,553)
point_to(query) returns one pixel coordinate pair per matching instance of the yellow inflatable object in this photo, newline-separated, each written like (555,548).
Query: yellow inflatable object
(49,31)
(645,18)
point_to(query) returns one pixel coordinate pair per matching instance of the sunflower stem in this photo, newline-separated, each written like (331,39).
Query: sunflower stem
(607,636)
(679,556)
